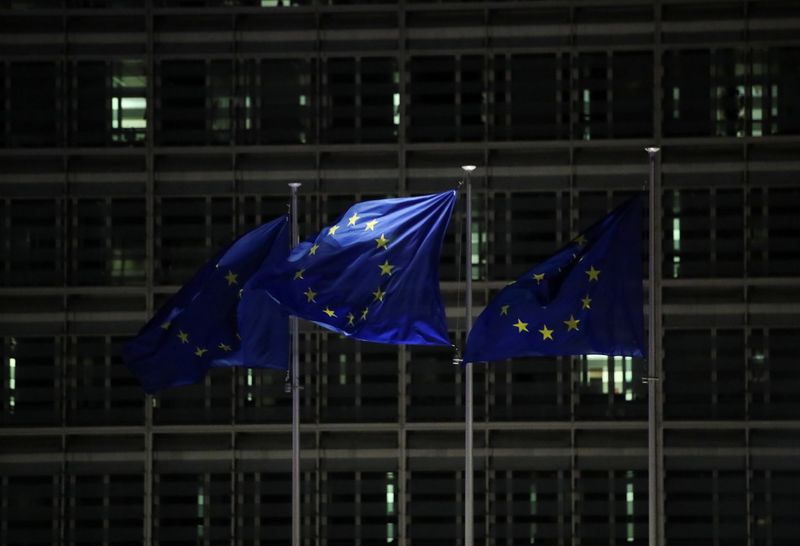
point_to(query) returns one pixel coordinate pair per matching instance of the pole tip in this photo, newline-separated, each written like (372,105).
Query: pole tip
(652,149)
(468,168)
(294,185)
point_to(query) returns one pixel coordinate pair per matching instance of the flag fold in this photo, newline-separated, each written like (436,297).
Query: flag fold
(585,299)
(372,275)
(200,327)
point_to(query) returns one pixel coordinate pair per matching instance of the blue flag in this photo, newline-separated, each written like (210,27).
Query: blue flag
(197,328)
(585,299)
(371,275)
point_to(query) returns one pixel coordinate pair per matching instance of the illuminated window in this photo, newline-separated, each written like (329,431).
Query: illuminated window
(609,375)
(201,510)
(629,505)
(676,234)
(12,378)
(128,101)
(342,369)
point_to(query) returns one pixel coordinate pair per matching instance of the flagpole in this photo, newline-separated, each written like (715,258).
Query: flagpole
(652,378)
(295,386)
(468,470)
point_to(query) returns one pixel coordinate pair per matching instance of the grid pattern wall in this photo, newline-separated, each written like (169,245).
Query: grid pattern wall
(139,136)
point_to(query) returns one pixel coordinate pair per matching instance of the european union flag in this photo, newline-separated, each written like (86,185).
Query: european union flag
(371,275)
(585,299)
(197,329)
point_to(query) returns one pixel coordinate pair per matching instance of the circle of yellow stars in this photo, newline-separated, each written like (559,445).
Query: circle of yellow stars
(385,269)
(571,324)
(232,279)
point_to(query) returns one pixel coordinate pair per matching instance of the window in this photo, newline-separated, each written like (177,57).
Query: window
(530,97)
(182,106)
(104,392)
(32,234)
(128,102)
(361,100)
(31,374)
(632,94)
(275,105)
(687,93)
(110,242)
(446,99)
(34,109)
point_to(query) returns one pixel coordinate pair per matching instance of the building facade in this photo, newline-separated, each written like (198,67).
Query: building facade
(139,136)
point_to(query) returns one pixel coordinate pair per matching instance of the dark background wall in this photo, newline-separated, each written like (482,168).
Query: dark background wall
(138,136)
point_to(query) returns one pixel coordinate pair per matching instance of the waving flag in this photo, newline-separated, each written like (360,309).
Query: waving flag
(371,275)
(197,328)
(585,299)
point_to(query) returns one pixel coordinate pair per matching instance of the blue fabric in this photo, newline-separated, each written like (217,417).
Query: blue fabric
(372,275)
(196,329)
(585,299)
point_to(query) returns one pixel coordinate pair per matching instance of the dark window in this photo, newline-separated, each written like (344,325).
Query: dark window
(92,119)
(687,93)
(33,106)
(182,108)
(632,90)
(530,98)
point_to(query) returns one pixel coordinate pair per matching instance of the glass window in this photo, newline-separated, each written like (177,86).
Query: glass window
(128,101)
(592,92)
(530,97)
(104,391)
(275,102)
(687,93)
(34,107)
(632,94)
(361,100)
(92,120)
(182,105)
(32,234)
(31,369)
(109,242)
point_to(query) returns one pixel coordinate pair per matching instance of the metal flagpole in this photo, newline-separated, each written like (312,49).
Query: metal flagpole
(468,471)
(652,455)
(295,387)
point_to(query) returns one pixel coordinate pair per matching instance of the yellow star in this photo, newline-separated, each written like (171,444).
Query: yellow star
(330,312)
(580,240)
(370,225)
(350,318)
(594,274)
(538,277)
(231,278)
(226,348)
(382,242)
(521,326)
(587,302)
(364,313)
(386,268)
(183,336)
(299,274)
(166,325)
(353,219)
(546,332)
(310,295)
(378,294)
(313,250)
(572,323)
(332,230)
(504,310)
(200,351)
